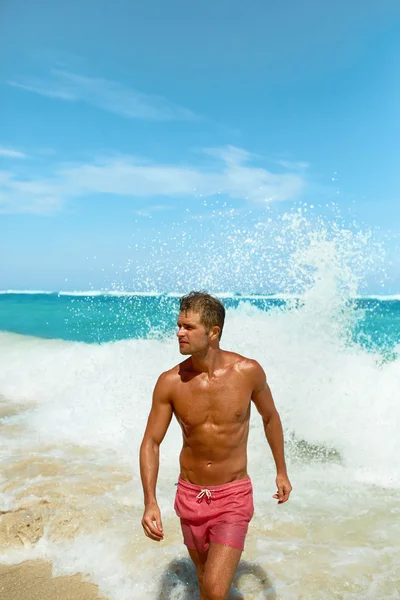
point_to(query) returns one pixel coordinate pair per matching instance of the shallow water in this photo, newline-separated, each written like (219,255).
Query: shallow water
(81,507)
(72,417)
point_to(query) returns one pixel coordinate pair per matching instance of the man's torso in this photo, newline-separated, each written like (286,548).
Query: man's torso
(214,415)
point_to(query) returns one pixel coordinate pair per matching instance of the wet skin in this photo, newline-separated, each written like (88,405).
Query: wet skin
(210,394)
(214,416)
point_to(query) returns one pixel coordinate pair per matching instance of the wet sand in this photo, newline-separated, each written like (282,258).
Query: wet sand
(33,580)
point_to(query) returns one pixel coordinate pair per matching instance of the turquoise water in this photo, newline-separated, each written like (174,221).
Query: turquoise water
(76,381)
(104,318)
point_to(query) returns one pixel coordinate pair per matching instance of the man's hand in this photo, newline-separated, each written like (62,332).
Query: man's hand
(151,523)
(284,488)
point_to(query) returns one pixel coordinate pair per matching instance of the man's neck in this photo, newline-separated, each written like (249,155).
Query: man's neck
(208,362)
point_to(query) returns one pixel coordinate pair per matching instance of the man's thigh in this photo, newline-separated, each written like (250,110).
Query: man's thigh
(220,567)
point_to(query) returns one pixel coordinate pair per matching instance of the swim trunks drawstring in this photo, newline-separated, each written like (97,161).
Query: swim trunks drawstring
(204,492)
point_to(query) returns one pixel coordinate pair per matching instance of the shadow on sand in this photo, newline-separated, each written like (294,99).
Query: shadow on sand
(179,581)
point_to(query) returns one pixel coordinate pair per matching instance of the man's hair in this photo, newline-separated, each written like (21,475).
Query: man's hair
(210,309)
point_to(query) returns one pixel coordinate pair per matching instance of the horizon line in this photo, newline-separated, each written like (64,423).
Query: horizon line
(122,293)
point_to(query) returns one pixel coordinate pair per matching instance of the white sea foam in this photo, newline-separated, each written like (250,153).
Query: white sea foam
(382,297)
(34,292)
(326,388)
(330,396)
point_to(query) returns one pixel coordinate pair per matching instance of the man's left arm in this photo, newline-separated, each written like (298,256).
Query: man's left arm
(262,398)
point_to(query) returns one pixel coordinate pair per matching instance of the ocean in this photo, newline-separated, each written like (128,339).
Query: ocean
(76,379)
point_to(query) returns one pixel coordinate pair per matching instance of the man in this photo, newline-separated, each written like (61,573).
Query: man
(210,395)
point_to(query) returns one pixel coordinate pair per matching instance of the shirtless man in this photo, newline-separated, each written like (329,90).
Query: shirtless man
(210,395)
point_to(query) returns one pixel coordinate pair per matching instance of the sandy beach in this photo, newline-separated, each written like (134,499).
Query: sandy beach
(32,580)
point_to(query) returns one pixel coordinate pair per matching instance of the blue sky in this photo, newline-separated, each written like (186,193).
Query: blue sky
(124,125)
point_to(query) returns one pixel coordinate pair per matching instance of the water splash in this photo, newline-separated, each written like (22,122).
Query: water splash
(86,403)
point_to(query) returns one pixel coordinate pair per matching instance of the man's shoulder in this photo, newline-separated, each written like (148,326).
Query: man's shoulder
(169,376)
(243,363)
(173,374)
(251,371)
(246,367)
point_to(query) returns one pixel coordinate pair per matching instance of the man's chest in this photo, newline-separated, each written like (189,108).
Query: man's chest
(214,402)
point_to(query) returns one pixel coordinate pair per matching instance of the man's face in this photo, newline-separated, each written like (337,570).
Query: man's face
(192,335)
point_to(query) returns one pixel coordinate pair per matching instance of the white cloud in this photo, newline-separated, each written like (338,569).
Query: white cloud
(230,176)
(8,153)
(150,210)
(126,176)
(106,94)
(28,196)
(298,166)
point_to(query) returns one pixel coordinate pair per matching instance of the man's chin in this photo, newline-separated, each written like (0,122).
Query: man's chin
(184,349)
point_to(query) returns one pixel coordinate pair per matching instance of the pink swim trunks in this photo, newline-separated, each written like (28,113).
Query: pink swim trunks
(217,513)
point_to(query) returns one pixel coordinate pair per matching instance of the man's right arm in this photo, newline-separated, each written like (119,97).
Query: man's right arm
(157,425)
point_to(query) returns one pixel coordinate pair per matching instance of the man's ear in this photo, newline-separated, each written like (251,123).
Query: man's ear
(215,331)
